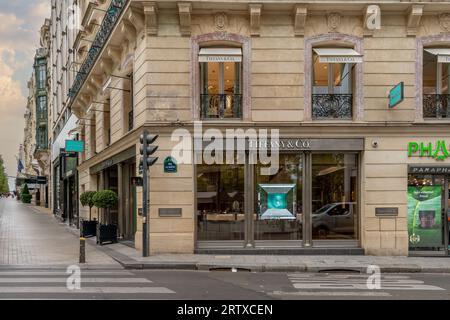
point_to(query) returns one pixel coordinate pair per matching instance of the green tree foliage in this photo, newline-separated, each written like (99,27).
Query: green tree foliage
(87,200)
(25,194)
(4,187)
(105,199)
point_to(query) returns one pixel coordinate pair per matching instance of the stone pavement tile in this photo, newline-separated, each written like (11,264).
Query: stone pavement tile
(31,236)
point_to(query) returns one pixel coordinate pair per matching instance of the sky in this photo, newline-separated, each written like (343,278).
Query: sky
(20,22)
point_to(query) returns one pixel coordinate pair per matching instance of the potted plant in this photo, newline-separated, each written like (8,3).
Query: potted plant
(25,194)
(88,227)
(106,199)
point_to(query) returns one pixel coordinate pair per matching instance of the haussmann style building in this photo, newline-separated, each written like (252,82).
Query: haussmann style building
(358,90)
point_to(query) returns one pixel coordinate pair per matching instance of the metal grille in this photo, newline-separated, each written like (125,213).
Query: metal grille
(332,106)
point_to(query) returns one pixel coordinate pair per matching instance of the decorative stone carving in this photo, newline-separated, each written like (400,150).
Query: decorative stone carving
(255,19)
(414,17)
(221,21)
(184,10)
(300,13)
(115,54)
(136,18)
(444,21)
(334,21)
(151,18)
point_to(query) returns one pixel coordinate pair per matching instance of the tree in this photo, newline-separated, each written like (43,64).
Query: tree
(105,199)
(87,200)
(4,187)
(25,194)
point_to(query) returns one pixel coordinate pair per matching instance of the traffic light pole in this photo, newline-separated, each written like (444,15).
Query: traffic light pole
(145,206)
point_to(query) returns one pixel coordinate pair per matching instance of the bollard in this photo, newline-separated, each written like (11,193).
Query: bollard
(82,250)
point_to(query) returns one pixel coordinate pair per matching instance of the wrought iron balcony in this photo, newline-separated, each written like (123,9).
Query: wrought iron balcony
(109,22)
(221,106)
(436,106)
(332,106)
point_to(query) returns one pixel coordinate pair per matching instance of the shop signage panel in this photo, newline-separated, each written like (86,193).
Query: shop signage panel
(386,212)
(429,169)
(396,95)
(424,216)
(301,144)
(170,212)
(74,146)
(345,59)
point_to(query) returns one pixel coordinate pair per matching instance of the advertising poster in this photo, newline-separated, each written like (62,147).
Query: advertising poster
(424,216)
(276,202)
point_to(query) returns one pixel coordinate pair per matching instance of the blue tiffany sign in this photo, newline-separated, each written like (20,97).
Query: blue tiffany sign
(170,165)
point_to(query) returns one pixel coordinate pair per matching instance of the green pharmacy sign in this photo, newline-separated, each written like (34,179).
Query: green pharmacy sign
(424,216)
(438,151)
(396,95)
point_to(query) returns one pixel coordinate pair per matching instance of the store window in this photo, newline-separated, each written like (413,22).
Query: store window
(426,215)
(107,123)
(220,202)
(334,196)
(436,89)
(278,200)
(332,91)
(221,83)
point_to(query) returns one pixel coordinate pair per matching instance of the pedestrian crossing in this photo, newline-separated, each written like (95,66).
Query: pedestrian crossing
(329,281)
(31,284)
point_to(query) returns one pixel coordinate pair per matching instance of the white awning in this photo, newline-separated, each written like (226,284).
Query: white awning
(443,54)
(220,55)
(338,55)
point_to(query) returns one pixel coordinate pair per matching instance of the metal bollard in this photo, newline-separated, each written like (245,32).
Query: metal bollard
(82,250)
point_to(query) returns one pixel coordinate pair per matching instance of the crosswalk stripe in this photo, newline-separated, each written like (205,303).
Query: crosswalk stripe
(332,294)
(64,280)
(108,290)
(341,286)
(63,273)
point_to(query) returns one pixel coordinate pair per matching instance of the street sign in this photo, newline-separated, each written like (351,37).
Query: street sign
(396,95)
(74,146)
(170,165)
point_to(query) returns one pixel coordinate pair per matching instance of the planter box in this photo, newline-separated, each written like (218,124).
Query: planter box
(106,233)
(88,228)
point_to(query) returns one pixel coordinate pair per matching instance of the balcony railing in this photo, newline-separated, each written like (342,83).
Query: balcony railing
(436,106)
(221,106)
(109,22)
(130,120)
(332,106)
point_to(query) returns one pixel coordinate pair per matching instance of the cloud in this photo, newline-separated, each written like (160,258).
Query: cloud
(20,22)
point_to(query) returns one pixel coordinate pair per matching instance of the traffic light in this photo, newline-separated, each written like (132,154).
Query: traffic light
(147,150)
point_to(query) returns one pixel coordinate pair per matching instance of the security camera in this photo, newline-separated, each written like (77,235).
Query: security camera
(375,144)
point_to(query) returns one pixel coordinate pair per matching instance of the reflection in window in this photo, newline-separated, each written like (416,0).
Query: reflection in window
(334,195)
(278,200)
(221,89)
(332,89)
(436,89)
(220,202)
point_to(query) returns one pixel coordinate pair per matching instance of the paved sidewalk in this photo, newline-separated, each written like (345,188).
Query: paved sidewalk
(131,259)
(31,236)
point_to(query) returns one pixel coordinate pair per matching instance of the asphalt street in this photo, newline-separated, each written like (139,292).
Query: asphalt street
(50,283)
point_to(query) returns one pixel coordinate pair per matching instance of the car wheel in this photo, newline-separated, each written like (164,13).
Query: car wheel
(322,233)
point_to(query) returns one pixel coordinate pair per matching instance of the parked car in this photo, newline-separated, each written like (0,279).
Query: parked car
(334,217)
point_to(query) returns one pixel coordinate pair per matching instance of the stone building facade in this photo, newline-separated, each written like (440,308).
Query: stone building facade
(357,171)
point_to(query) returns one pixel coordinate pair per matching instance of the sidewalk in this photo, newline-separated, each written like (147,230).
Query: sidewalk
(31,237)
(131,259)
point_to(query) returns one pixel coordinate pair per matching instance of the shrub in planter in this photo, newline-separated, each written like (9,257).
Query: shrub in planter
(88,228)
(106,199)
(25,194)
